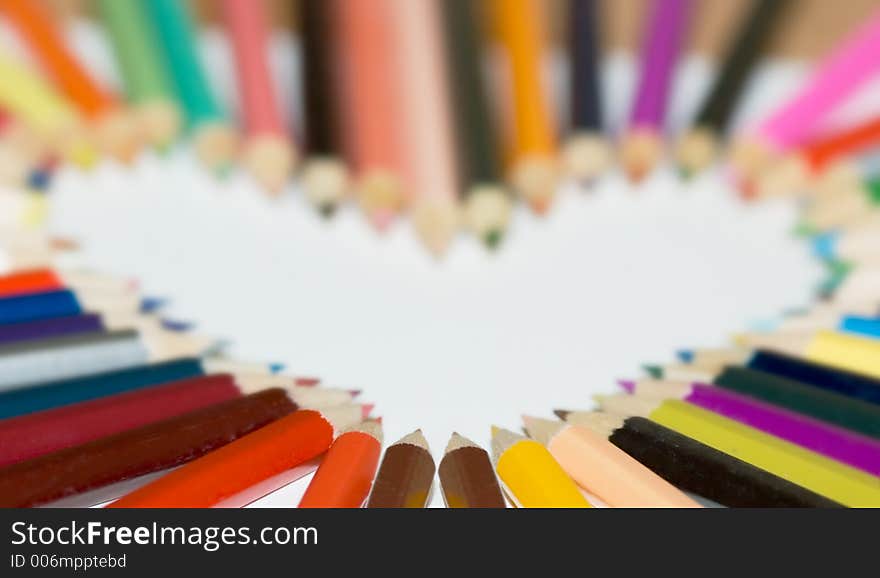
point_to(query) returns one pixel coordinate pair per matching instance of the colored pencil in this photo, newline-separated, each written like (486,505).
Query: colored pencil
(52,327)
(372,106)
(19,308)
(486,206)
(602,469)
(147,83)
(836,443)
(269,152)
(467,477)
(849,383)
(129,455)
(34,362)
(344,478)
(429,169)
(699,146)
(586,154)
(530,476)
(844,351)
(790,125)
(325,176)
(520,27)
(698,468)
(405,476)
(642,146)
(26,437)
(836,481)
(45,112)
(54,394)
(783,420)
(847,412)
(44,280)
(215,141)
(116,131)
(249,467)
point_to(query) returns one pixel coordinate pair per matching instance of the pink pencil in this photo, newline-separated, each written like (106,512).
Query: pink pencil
(848,67)
(429,165)
(372,104)
(269,154)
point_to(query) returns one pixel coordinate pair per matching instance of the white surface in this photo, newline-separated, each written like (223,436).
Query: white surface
(609,280)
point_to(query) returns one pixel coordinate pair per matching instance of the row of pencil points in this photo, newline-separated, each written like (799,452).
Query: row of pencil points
(780,419)
(394,94)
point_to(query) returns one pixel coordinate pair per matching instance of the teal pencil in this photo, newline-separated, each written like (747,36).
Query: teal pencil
(214,138)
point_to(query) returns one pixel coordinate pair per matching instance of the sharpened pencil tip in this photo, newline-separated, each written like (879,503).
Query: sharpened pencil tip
(177,326)
(685,355)
(627,385)
(153,304)
(367,409)
(493,239)
(561,413)
(276,367)
(654,371)
(327,210)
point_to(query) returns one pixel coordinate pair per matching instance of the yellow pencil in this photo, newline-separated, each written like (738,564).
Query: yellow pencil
(529,474)
(44,111)
(850,352)
(822,475)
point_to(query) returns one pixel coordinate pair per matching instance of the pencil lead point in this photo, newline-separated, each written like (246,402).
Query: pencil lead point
(493,239)
(327,210)
(561,413)
(276,367)
(627,385)
(153,304)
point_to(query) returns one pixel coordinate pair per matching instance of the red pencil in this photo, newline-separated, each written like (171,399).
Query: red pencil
(28,436)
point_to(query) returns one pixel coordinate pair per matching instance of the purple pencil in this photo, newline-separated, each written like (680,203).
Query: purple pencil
(53,327)
(831,441)
(641,147)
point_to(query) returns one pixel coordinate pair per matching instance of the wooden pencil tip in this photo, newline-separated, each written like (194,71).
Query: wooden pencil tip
(627,385)
(458,441)
(436,222)
(542,430)
(367,409)
(416,438)
(561,413)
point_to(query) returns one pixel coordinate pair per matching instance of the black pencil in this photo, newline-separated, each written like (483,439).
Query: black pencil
(697,468)
(486,203)
(325,178)
(698,148)
(586,153)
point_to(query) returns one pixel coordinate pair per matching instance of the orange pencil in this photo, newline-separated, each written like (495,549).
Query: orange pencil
(346,473)
(372,105)
(250,467)
(828,157)
(116,131)
(520,28)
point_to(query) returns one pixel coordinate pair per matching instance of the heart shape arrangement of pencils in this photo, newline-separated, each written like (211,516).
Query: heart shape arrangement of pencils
(102,398)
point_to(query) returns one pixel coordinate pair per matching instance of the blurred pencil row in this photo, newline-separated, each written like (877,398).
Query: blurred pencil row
(402,114)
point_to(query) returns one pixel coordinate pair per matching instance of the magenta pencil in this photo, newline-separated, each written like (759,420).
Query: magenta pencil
(836,443)
(660,53)
(848,67)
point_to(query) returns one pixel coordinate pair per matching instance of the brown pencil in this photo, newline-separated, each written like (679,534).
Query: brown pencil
(405,476)
(467,477)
